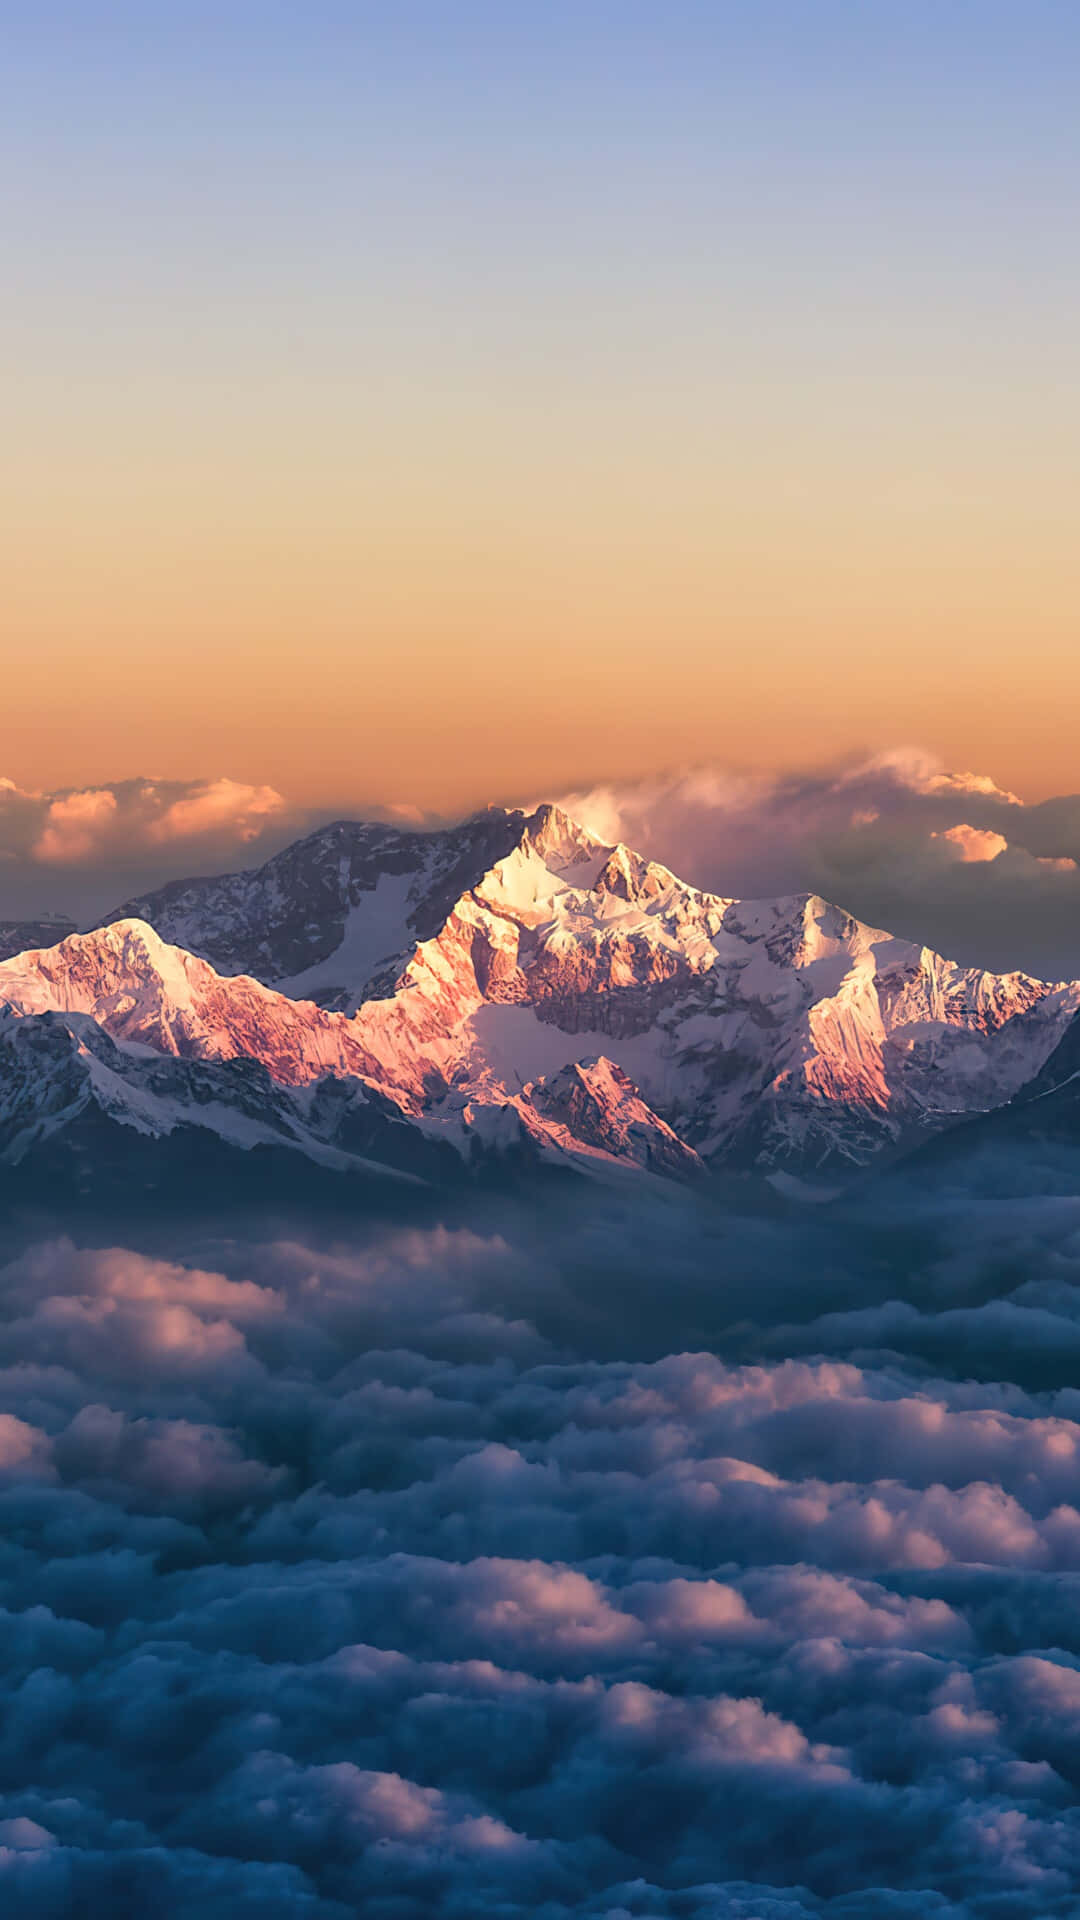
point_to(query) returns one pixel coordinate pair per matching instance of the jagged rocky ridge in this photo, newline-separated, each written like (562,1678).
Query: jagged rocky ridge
(333,914)
(515,985)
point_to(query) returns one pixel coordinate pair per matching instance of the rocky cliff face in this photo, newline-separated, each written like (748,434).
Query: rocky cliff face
(325,917)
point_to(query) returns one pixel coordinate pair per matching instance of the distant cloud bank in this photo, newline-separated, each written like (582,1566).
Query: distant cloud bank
(70,829)
(60,849)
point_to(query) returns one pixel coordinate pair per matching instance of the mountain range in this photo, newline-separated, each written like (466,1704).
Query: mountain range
(511,992)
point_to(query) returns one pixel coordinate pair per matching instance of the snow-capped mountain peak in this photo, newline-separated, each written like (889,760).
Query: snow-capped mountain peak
(518,965)
(335,911)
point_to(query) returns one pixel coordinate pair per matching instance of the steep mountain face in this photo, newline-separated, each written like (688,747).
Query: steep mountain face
(141,989)
(778,1032)
(84,1118)
(327,916)
(571,1000)
(594,1104)
(117,1025)
(56,1067)
(1016,1152)
(1030,1132)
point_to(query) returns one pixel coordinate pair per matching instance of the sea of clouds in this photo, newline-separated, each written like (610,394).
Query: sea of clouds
(624,1561)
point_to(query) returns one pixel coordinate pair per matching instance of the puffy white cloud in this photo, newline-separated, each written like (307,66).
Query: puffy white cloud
(76,826)
(83,851)
(973,843)
(95,824)
(213,807)
(923,772)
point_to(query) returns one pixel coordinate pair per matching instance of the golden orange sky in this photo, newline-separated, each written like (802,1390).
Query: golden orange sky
(388,434)
(493,616)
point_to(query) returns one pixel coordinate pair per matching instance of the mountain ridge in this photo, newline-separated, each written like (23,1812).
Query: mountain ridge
(574,1001)
(286,919)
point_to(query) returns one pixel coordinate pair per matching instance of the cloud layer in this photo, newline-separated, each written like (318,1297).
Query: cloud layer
(947,858)
(434,1573)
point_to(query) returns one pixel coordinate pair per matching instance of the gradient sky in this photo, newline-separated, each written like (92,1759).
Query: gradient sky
(444,403)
